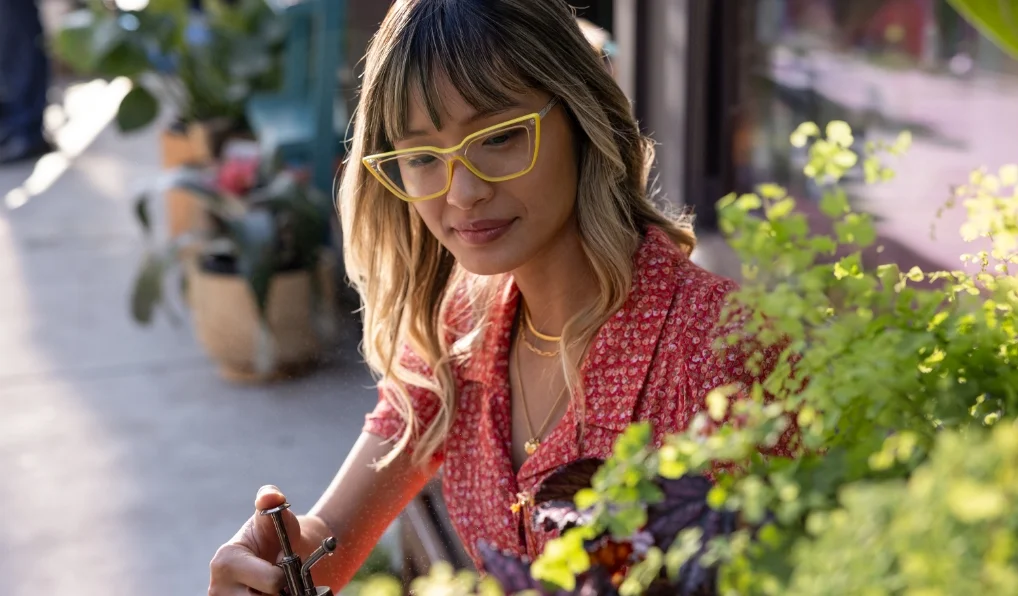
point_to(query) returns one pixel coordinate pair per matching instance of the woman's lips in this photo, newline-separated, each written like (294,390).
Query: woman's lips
(485,231)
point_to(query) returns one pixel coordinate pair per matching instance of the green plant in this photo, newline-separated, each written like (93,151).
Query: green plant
(279,225)
(204,66)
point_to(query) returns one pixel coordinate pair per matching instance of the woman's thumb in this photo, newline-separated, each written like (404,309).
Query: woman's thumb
(270,498)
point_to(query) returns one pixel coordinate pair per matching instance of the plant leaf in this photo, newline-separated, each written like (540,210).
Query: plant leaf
(255,236)
(684,506)
(665,523)
(996,19)
(681,490)
(148,289)
(512,573)
(141,213)
(138,109)
(73,41)
(567,480)
(124,60)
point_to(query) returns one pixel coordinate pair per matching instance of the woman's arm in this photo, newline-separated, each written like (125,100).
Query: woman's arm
(358,507)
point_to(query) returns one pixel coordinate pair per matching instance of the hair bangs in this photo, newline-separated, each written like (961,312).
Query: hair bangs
(452,42)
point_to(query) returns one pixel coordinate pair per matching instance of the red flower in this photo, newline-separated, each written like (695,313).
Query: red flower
(237,176)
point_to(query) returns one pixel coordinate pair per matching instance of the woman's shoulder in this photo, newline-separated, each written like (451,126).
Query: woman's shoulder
(687,299)
(695,318)
(666,268)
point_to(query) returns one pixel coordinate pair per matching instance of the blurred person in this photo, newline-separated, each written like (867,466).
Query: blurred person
(24,82)
(524,300)
(601,41)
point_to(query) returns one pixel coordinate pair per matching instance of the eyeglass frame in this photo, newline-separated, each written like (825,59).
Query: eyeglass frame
(371,161)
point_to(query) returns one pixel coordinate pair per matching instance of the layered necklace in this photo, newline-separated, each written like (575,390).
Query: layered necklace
(534,442)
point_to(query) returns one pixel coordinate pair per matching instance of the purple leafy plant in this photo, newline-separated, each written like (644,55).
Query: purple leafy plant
(683,506)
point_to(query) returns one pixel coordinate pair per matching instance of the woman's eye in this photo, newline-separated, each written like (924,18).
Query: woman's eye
(501,138)
(420,161)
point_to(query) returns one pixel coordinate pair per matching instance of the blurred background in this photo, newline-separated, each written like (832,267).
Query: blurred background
(171,342)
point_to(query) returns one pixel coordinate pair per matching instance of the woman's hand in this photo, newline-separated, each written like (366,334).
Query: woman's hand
(246,564)
(358,506)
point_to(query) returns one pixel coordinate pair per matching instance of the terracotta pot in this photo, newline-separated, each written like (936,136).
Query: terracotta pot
(176,148)
(184,212)
(194,143)
(226,322)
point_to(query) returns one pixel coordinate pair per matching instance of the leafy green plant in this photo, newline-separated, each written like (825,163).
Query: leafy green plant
(878,371)
(279,225)
(205,68)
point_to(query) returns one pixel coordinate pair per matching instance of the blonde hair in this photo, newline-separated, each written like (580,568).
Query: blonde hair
(409,284)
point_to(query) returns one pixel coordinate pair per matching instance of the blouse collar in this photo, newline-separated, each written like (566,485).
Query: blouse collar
(620,356)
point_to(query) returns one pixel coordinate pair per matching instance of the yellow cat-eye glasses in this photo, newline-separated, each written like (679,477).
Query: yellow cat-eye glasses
(497,153)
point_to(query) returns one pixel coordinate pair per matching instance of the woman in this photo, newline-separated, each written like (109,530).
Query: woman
(524,300)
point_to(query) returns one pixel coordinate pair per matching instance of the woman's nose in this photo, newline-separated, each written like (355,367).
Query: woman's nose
(466,189)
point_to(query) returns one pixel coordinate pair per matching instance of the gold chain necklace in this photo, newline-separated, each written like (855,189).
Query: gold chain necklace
(535,349)
(538,334)
(535,438)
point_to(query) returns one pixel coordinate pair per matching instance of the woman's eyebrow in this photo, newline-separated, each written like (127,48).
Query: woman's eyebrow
(473,118)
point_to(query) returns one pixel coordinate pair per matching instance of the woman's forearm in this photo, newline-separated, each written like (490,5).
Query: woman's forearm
(357,508)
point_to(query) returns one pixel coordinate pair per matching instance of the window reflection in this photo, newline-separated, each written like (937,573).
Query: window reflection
(882,66)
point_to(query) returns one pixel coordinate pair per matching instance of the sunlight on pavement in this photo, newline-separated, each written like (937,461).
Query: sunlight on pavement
(60,442)
(90,107)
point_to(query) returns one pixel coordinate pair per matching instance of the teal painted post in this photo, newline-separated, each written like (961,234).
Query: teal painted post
(329,42)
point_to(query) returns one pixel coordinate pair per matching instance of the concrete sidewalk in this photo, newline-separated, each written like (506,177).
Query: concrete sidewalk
(124,460)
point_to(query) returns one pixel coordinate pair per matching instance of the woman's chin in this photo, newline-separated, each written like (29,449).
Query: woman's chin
(485,265)
(488,260)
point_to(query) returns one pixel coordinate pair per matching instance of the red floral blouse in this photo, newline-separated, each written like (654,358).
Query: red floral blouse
(652,361)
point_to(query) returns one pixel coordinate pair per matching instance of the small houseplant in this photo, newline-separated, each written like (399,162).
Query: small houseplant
(258,278)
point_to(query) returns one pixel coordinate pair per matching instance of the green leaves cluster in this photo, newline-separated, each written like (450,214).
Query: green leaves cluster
(950,528)
(880,369)
(201,80)
(443,580)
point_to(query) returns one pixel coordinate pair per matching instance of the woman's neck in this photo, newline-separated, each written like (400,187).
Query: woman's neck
(557,283)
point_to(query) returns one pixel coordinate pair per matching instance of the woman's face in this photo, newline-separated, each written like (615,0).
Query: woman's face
(496,227)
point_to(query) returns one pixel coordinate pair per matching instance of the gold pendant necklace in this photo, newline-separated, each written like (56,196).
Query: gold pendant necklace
(531,446)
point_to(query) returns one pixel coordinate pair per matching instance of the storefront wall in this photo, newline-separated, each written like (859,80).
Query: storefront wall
(652,41)
(720,85)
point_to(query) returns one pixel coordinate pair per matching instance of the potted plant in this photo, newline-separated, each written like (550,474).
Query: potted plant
(204,64)
(259,279)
